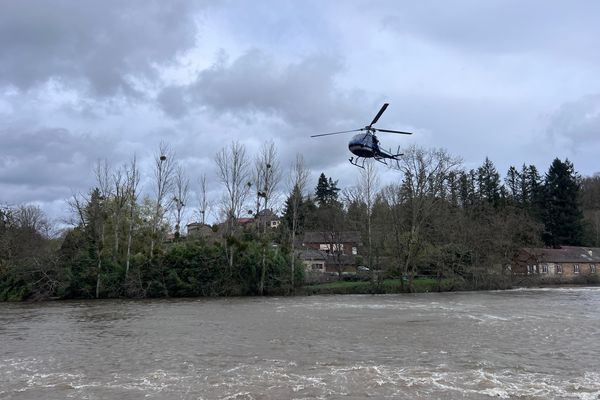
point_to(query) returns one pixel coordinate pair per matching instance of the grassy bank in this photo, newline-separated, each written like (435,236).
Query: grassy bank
(420,285)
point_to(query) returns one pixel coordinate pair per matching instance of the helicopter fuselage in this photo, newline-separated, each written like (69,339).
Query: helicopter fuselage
(364,145)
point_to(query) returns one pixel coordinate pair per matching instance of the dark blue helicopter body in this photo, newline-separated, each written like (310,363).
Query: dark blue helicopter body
(365,145)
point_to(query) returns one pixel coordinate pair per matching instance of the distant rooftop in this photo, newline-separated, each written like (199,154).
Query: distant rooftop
(324,237)
(566,254)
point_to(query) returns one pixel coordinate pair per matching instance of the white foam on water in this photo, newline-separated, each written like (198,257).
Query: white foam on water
(239,396)
(554,289)
(271,378)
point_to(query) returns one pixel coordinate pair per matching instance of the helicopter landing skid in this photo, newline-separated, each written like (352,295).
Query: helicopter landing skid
(389,162)
(357,161)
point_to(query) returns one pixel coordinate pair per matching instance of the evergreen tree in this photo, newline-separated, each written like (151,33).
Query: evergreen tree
(467,188)
(562,217)
(534,187)
(322,190)
(590,204)
(295,198)
(525,186)
(326,192)
(333,190)
(453,188)
(513,185)
(488,180)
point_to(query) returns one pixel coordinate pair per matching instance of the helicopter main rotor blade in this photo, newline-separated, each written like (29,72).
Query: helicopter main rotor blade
(390,131)
(337,133)
(383,107)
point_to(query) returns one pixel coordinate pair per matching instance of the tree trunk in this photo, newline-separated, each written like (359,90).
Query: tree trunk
(129,241)
(116,233)
(293,257)
(263,272)
(99,267)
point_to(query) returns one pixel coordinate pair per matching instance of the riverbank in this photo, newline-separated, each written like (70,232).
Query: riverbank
(426,285)
(386,286)
(350,287)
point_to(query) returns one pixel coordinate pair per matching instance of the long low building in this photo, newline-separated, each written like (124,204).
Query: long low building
(564,263)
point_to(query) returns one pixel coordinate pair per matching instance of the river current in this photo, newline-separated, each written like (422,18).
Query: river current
(527,344)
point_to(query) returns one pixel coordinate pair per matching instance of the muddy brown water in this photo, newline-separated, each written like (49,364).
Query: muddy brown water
(527,344)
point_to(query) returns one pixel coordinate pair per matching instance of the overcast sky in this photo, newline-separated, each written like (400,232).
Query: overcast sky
(516,81)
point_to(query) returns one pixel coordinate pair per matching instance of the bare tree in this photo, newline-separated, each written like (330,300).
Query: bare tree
(267,175)
(118,204)
(164,168)
(368,184)
(77,203)
(425,173)
(298,179)
(203,202)
(132,175)
(333,224)
(180,198)
(392,220)
(102,171)
(33,218)
(234,172)
(266,178)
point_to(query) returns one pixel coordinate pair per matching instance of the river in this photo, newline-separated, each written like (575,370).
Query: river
(528,344)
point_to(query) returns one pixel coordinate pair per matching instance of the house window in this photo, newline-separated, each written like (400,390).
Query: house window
(336,247)
(593,268)
(544,268)
(576,268)
(532,269)
(317,267)
(354,250)
(559,269)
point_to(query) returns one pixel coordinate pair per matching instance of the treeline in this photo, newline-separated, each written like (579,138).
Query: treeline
(441,220)
(123,244)
(436,219)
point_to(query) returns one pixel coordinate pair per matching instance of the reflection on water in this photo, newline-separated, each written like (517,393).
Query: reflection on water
(533,344)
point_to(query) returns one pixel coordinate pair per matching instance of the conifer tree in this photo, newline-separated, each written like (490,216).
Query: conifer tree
(294,204)
(326,192)
(488,180)
(322,190)
(562,216)
(513,187)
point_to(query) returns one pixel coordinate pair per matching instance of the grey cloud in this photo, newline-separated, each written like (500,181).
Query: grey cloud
(100,44)
(577,121)
(500,25)
(302,92)
(48,158)
(174,101)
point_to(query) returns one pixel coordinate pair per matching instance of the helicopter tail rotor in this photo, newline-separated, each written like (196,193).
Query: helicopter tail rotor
(398,154)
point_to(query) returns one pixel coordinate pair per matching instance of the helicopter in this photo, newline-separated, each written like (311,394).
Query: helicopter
(366,145)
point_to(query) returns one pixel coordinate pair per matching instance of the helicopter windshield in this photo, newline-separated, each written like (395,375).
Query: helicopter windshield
(363,145)
(364,140)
